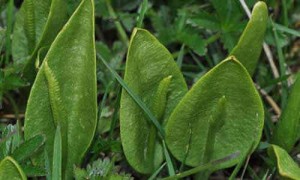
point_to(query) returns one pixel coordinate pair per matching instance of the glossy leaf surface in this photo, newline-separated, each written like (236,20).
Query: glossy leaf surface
(37,24)
(154,76)
(287,131)
(287,167)
(221,114)
(10,169)
(249,47)
(64,92)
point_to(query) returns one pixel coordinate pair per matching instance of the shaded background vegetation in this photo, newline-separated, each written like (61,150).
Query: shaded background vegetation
(199,34)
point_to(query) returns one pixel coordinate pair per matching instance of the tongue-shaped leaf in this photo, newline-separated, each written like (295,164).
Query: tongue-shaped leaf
(64,92)
(248,49)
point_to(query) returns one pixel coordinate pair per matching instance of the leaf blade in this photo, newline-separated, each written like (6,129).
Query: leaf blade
(249,47)
(229,79)
(286,165)
(10,169)
(148,63)
(74,67)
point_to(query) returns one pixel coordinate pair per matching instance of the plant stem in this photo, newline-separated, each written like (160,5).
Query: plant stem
(9,14)
(282,66)
(213,38)
(118,25)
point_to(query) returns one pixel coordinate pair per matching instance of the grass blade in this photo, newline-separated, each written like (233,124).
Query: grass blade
(10,13)
(282,67)
(203,167)
(180,56)
(153,176)
(168,159)
(142,10)
(147,111)
(286,30)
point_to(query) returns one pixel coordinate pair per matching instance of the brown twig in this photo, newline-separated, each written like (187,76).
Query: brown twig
(270,100)
(12,116)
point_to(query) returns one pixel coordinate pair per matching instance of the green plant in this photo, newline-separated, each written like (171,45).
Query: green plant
(181,110)
(153,75)
(221,114)
(37,24)
(201,125)
(287,130)
(286,165)
(66,97)
(248,49)
(10,169)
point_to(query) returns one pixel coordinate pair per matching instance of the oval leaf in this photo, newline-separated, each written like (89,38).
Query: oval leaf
(248,49)
(64,92)
(10,169)
(154,76)
(221,114)
(286,165)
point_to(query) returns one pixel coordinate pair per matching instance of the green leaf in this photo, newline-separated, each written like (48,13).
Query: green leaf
(34,171)
(248,49)
(204,20)
(287,130)
(57,156)
(228,12)
(192,40)
(28,148)
(229,15)
(223,113)
(10,169)
(64,92)
(148,67)
(10,140)
(285,29)
(37,24)
(287,167)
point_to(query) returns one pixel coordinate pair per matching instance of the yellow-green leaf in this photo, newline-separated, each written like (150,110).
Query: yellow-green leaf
(287,167)
(64,92)
(221,114)
(155,78)
(37,24)
(11,170)
(248,49)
